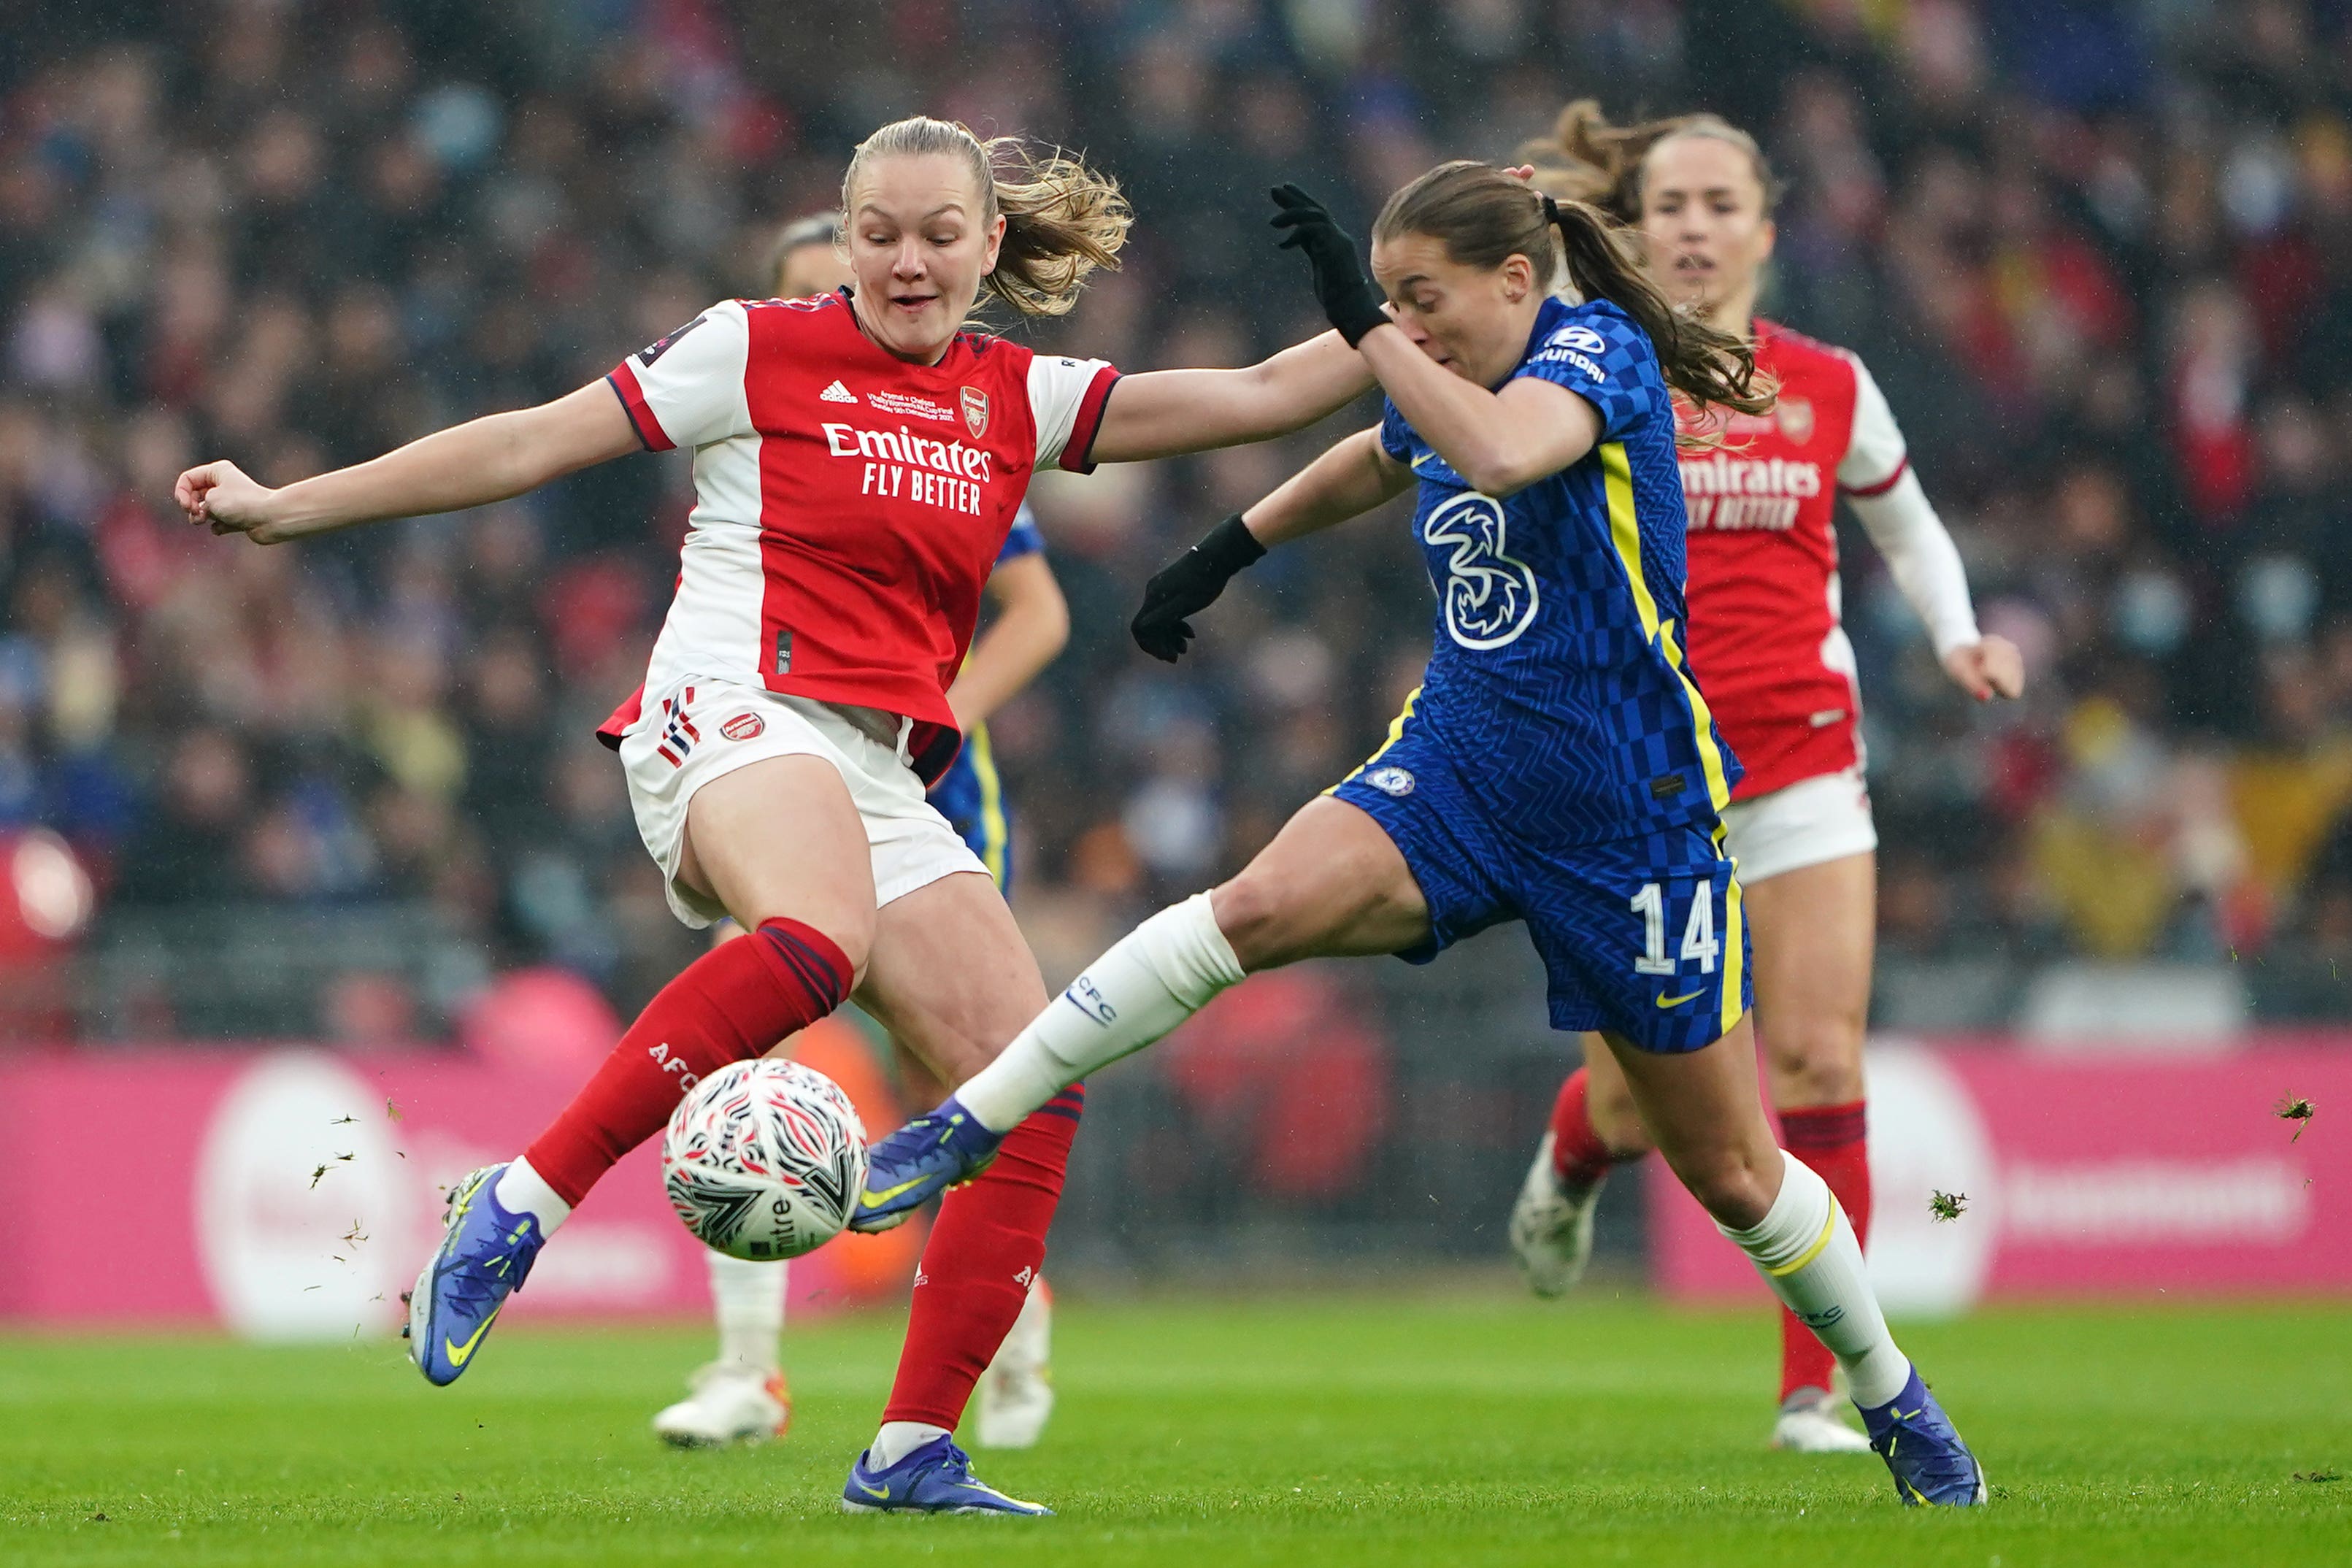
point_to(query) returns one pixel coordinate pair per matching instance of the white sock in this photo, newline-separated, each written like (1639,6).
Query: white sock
(897,1439)
(1806,1251)
(1154,978)
(522,1189)
(749,1296)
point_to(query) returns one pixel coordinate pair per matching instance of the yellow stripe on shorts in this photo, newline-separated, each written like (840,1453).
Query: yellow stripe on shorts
(1396,733)
(1734,951)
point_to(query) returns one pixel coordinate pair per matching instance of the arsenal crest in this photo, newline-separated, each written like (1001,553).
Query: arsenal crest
(976,411)
(1795,416)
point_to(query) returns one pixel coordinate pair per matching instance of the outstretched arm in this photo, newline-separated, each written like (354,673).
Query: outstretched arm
(1347,481)
(489,459)
(1351,478)
(1927,567)
(1878,479)
(1167,413)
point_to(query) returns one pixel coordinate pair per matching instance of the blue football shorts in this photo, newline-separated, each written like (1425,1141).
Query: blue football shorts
(1642,937)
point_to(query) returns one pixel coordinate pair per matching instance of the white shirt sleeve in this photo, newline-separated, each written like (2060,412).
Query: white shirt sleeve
(686,389)
(1924,561)
(1066,398)
(1875,474)
(1874,454)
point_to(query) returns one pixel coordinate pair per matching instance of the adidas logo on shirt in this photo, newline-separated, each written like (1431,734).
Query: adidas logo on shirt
(836,393)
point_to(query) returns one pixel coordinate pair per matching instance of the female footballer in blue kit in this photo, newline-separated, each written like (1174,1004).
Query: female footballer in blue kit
(740,1396)
(1557,765)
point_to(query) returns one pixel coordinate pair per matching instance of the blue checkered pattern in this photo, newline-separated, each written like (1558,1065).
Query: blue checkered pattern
(1581,902)
(1553,678)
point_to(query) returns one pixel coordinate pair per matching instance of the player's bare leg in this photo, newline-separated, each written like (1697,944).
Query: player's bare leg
(1813,930)
(950,976)
(1333,884)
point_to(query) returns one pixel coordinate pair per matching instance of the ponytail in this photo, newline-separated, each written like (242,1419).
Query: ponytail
(1707,365)
(1590,160)
(1062,219)
(1484,216)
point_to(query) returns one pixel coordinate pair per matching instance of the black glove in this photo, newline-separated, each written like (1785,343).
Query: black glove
(1189,584)
(1350,300)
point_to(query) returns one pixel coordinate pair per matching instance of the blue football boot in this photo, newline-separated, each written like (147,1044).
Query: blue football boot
(942,1149)
(934,1479)
(1931,1465)
(485,1252)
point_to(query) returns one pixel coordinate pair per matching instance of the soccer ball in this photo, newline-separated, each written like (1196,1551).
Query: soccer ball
(764,1159)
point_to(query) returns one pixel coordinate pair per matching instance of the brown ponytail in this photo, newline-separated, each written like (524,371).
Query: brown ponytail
(1485,218)
(1587,159)
(1062,219)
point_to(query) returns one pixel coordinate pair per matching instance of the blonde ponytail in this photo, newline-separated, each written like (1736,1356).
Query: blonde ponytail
(1062,219)
(1587,159)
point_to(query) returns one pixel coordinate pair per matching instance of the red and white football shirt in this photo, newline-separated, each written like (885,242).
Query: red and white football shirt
(1765,638)
(848,505)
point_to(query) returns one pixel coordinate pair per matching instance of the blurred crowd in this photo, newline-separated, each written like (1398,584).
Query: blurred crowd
(2098,253)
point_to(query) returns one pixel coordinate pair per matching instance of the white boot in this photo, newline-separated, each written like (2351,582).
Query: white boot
(1812,1421)
(1552,1227)
(1016,1393)
(732,1402)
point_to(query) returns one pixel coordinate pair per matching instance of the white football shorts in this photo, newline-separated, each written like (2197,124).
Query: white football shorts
(704,730)
(1823,818)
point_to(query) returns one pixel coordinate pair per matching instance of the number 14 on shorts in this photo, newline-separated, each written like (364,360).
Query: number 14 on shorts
(1699,941)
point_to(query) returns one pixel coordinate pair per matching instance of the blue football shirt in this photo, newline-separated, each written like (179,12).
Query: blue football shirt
(1556,677)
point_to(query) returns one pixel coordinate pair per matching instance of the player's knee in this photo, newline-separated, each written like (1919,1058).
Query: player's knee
(1815,1061)
(849,927)
(1735,1190)
(1258,925)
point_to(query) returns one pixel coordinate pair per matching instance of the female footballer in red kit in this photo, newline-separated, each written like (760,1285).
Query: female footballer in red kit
(1767,647)
(858,460)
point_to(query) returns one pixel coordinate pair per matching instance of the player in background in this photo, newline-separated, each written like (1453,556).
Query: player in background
(741,1396)
(858,460)
(1767,647)
(1557,765)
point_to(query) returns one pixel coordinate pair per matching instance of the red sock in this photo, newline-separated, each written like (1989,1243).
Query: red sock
(1578,1157)
(1832,1140)
(983,1250)
(729,1005)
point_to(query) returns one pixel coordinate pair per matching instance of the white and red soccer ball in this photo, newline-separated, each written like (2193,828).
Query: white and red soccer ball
(764,1159)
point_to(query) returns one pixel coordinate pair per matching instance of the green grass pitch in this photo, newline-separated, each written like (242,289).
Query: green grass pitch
(1357,1429)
